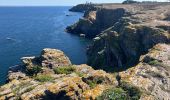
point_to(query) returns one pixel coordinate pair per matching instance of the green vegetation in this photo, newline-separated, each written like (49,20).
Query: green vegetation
(44,78)
(80,74)
(34,70)
(92,82)
(157,63)
(113,94)
(64,70)
(133,92)
(124,92)
(154,62)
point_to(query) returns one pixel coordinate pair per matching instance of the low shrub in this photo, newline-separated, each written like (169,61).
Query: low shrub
(133,92)
(154,62)
(34,70)
(114,94)
(124,92)
(80,74)
(92,82)
(43,78)
(64,70)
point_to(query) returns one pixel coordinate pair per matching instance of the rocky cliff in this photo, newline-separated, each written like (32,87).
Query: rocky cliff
(131,41)
(96,20)
(123,33)
(51,76)
(83,7)
(151,74)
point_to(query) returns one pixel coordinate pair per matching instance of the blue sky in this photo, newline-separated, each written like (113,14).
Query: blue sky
(51,2)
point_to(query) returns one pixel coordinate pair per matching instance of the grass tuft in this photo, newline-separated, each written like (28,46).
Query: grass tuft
(64,70)
(43,78)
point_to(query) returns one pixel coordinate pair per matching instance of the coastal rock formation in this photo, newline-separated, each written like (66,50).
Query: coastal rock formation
(147,80)
(132,42)
(123,47)
(83,7)
(123,33)
(51,76)
(95,22)
(152,73)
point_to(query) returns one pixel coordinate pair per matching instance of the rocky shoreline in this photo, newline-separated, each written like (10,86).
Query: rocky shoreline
(122,32)
(130,59)
(51,76)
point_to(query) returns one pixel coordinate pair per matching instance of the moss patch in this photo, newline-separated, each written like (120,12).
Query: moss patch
(133,92)
(64,70)
(113,94)
(43,78)
(34,70)
(92,82)
(123,92)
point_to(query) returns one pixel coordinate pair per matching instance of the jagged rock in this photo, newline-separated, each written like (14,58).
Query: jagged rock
(82,82)
(54,58)
(152,72)
(16,76)
(124,49)
(95,22)
(124,32)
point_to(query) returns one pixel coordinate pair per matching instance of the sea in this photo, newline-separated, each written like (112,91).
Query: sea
(25,31)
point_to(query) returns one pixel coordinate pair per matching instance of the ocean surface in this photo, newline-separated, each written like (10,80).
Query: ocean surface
(25,31)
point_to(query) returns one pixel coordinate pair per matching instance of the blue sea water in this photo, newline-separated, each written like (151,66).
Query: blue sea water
(25,31)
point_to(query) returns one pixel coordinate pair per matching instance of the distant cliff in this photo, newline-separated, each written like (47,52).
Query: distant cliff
(122,33)
(83,7)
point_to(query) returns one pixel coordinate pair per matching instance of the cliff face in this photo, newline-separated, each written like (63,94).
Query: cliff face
(95,22)
(126,40)
(151,74)
(121,45)
(117,50)
(51,76)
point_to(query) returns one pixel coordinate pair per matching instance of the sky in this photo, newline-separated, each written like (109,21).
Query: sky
(52,2)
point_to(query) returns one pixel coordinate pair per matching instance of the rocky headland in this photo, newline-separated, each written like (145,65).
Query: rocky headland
(51,76)
(123,32)
(130,59)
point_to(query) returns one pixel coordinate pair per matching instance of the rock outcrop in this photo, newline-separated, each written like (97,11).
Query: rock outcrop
(51,76)
(119,48)
(148,80)
(152,73)
(120,44)
(96,21)
(132,42)
(83,7)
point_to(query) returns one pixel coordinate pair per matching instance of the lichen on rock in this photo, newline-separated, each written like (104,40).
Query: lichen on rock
(71,82)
